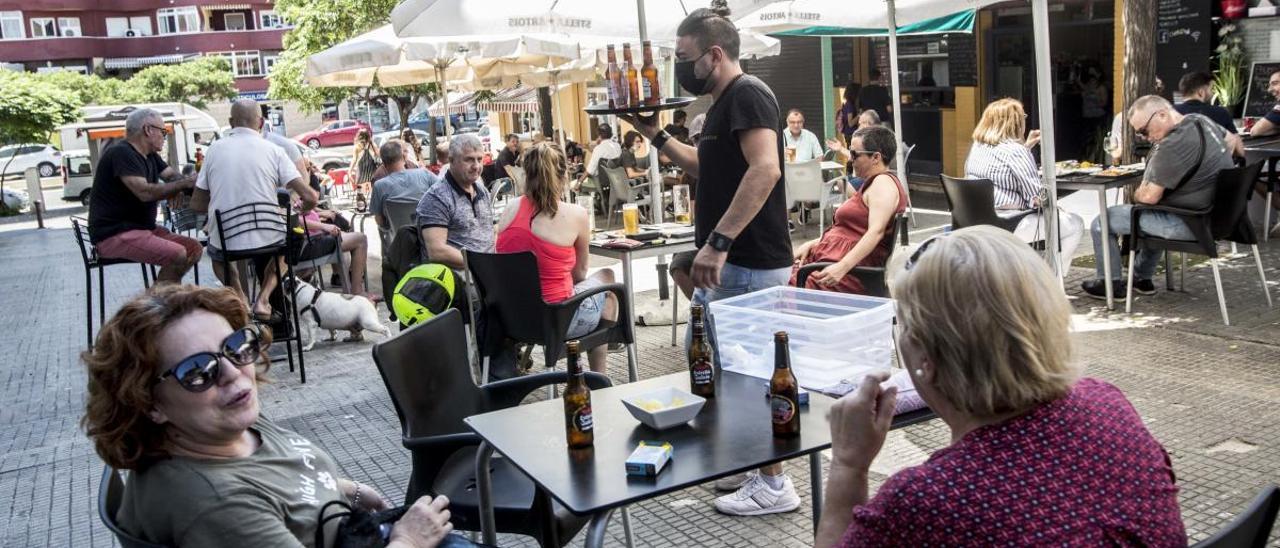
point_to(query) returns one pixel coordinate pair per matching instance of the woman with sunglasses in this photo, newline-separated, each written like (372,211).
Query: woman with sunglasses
(1002,155)
(1039,456)
(173,397)
(857,235)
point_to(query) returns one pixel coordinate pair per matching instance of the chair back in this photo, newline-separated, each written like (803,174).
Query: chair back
(906,162)
(972,202)
(873,279)
(110,494)
(399,213)
(79,225)
(518,177)
(1230,218)
(511,291)
(247,218)
(803,181)
(1252,527)
(428,375)
(619,189)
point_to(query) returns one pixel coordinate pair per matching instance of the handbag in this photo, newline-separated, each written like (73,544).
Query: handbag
(358,528)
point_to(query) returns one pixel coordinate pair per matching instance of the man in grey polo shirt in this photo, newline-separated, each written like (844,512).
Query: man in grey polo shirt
(457,215)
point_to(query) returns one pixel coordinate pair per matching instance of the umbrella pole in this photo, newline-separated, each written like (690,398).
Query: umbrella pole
(897,92)
(655,177)
(1044,100)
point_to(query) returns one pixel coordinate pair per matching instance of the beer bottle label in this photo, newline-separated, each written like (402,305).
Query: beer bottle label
(646,88)
(783,408)
(702,371)
(582,419)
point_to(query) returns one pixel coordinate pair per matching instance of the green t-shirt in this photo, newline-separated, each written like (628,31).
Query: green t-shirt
(271,498)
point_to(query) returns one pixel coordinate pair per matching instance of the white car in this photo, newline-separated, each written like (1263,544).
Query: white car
(77,176)
(379,138)
(15,159)
(15,199)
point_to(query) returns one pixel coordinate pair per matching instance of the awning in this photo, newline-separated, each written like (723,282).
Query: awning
(135,62)
(956,22)
(223,7)
(458,101)
(517,99)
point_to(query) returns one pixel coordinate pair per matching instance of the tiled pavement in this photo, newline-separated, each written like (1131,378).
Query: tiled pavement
(1210,393)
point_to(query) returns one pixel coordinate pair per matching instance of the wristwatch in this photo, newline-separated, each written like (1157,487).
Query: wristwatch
(660,140)
(719,242)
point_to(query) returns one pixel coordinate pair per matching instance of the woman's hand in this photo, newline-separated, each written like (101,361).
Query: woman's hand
(859,422)
(362,496)
(803,250)
(424,525)
(835,144)
(831,275)
(1033,138)
(333,230)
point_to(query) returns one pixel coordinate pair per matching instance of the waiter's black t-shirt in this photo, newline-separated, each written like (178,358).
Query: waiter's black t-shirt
(113,208)
(876,97)
(746,104)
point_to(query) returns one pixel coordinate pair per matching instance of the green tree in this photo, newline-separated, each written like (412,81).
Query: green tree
(196,82)
(91,88)
(31,109)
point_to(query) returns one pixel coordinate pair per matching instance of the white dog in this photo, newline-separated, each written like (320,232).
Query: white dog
(334,312)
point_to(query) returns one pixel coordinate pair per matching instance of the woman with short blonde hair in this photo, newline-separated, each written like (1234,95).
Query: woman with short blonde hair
(1038,457)
(1003,120)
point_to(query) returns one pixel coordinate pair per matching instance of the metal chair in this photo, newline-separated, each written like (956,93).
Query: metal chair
(511,295)
(110,494)
(89,254)
(428,376)
(872,277)
(272,218)
(1227,219)
(1252,527)
(804,184)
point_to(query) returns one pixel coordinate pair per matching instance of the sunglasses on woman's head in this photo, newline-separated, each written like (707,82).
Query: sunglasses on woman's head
(201,371)
(915,257)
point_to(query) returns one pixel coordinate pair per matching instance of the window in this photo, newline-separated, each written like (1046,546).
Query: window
(233,21)
(141,25)
(117,26)
(80,69)
(268,63)
(270,20)
(43,27)
(243,63)
(178,20)
(11,25)
(69,26)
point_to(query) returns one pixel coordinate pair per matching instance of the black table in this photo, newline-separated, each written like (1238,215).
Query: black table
(731,434)
(1100,185)
(1258,149)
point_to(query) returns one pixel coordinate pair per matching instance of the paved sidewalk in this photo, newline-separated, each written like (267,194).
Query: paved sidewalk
(1210,394)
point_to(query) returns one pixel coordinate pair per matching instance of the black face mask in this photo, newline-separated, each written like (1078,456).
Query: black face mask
(688,79)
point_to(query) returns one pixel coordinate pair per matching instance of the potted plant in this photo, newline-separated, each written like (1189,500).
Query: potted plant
(1231,78)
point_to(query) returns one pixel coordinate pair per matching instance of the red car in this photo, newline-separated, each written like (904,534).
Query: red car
(337,132)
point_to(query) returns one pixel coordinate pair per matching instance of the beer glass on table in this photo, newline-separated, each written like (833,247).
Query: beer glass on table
(680,203)
(630,219)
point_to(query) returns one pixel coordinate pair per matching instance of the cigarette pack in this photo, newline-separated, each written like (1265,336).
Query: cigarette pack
(649,458)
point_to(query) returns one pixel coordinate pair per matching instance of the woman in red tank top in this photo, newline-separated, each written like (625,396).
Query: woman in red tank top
(558,234)
(857,235)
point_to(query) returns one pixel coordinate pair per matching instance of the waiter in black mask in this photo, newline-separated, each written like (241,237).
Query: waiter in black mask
(740,212)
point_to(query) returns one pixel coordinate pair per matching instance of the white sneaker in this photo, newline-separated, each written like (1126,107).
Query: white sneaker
(736,481)
(756,498)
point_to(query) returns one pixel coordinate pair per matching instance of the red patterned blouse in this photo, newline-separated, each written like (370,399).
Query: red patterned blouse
(1080,471)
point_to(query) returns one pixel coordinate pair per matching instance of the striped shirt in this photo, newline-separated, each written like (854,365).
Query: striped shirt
(1011,168)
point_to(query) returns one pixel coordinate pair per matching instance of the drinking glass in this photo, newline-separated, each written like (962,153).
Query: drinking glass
(630,219)
(588,202)
(680,202)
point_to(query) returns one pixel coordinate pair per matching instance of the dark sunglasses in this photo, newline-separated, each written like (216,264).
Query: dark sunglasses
(201,371)
(866,153)
(163,132)
(915,257)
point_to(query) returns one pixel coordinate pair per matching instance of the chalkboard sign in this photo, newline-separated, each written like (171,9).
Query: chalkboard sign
(1257,100)
(1184,39)
(962,63)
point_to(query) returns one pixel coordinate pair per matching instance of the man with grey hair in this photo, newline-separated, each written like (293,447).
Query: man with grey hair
(457,215)
(1182,172)
(131,178)
(240,169)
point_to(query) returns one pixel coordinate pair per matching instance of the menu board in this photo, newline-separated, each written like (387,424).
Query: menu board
(962,63)
(1184,39)
(1257,100)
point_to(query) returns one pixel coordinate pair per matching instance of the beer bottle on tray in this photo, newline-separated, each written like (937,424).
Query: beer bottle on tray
(702,371)
(784,391)
(613,76)
(650,88)
(633,77)
(578,422)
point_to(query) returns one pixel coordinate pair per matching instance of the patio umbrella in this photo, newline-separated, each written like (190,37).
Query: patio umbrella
(378,53)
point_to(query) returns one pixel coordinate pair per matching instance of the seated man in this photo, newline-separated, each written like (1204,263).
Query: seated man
(1182,172)
(399,183)
(122,206)
(457,214)
(239,169)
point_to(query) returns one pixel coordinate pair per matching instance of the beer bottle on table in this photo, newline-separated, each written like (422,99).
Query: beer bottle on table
(578,422)
(702,371)
(613,75)
(784,391)
(651,89)
(633,77)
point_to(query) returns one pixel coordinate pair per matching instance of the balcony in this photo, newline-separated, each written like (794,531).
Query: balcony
(55,49)
(115,5)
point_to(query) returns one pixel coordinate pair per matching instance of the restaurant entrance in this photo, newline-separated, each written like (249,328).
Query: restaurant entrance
(1082,42)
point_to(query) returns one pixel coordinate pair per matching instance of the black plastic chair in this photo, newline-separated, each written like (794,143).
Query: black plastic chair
(398,213)
(872,277)
(1226,219)
(511,295)
(1272,185)
(972,203)
(1251,528)
(271,217)
(89,254)
(110,493)
(427,373)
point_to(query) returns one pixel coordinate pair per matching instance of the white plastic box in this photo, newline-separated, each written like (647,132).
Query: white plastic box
(834,336)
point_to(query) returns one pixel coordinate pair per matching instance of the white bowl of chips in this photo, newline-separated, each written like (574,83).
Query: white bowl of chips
(663,408)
